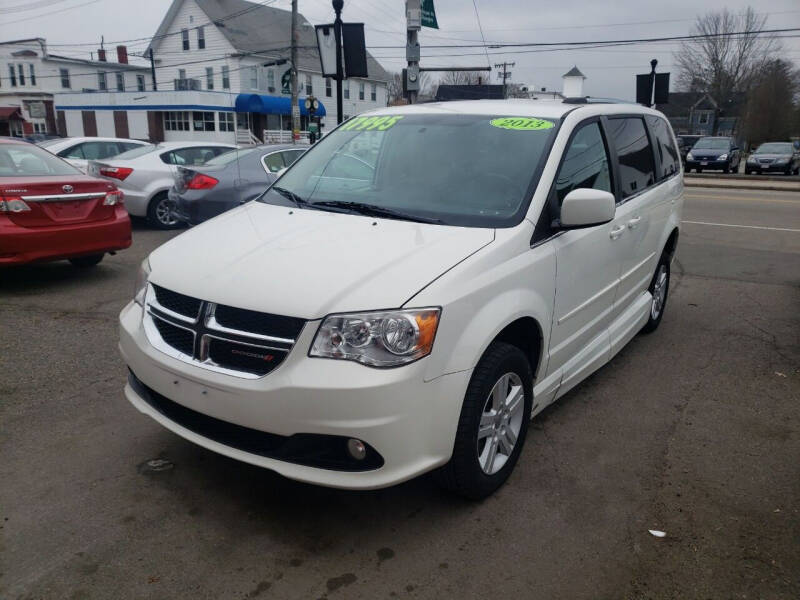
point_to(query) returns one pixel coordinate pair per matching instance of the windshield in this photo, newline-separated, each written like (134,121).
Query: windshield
(228,157)
(136,152)
(712,144)
(468,170)
(20,160)
(775,148)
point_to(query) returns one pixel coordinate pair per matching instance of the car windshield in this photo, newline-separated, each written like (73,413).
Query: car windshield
(775,148)
(21,160)
(712,144)
(136,152)
(228,157)
(468,170)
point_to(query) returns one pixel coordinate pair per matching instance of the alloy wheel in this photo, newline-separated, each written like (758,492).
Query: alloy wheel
(164,213)
(500,423)
(659,292)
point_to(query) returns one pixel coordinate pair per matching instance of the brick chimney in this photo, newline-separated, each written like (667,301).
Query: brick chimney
(101,55)
(122,55)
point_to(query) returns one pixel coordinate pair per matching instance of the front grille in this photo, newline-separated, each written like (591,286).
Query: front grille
(256,322)
(258,360)
(183,305)
(218,337)
(310,449)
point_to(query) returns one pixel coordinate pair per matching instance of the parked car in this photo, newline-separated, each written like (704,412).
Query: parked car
(37,138)
(714,153)
(685,143)
(383,311)
(782,157)
(147,173)
(50,211)
(227,181)
(78,151)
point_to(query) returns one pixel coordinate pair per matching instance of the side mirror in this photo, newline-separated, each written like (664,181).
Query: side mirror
(586,207)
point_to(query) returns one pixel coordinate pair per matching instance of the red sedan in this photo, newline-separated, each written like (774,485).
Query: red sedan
(49,210)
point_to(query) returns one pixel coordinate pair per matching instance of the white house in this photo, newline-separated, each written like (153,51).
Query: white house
(30,76)
(217,76)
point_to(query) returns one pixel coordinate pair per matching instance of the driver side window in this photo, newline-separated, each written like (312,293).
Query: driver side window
(585,164)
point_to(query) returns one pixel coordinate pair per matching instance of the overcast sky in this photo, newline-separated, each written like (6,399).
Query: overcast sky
(609,71)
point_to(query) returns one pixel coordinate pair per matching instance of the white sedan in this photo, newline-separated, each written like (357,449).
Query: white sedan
(78,151)
(146,174)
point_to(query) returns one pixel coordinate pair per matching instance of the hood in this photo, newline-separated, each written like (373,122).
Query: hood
(771,156)
(309,263)
(708,152)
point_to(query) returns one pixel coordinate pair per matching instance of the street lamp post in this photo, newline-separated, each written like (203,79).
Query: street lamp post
(337,32)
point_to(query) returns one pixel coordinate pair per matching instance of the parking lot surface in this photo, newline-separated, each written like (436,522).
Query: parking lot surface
(693,431)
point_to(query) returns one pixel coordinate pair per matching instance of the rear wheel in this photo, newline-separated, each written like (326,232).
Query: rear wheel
(493,423)
(86,261)
(159,213)
(659,287)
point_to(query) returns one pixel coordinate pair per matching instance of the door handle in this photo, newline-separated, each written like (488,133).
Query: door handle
(634,222)
(616,232)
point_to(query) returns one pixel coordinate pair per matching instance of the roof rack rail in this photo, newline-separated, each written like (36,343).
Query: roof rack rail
(591,100)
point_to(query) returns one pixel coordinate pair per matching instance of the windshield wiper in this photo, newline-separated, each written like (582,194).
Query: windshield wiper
(372,210)
(300,202)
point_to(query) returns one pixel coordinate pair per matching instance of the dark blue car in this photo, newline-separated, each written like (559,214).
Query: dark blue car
(714,154)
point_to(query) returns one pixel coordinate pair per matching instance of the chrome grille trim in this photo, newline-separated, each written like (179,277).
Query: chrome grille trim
(206,326)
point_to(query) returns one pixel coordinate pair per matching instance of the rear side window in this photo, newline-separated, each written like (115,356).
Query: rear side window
(28,160)
(636,168)
(273,162)
(665,148)
(585,163)
(289,156)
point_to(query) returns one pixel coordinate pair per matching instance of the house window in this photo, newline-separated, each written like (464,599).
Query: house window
(12,75)
(176,120)
(33,74)
(120,82)
(328,91)
(373,92)
(101,81)
(181,74)
(703,118)
(64,78)
(140,83)
(185,38)
(201,38)
(271,80)
(203,121)
(309,86)
(360,90)
(226,121)
(346,89)
(210,78)
(253,78)
(226,78)
(21,73)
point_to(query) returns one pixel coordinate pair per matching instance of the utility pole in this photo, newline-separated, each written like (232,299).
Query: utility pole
(413,25)
(337,33)
(295,106)
(153,70)
(506,74)
(653,64)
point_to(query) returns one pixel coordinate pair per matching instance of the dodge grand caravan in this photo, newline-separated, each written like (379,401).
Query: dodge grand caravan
(411,291)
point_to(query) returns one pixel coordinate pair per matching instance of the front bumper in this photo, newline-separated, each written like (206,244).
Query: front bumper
(21,245)
(766,168)
(708,164)
(410,423)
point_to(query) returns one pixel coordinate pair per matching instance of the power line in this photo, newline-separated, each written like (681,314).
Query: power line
(480,28)
(50,13)
(30,6)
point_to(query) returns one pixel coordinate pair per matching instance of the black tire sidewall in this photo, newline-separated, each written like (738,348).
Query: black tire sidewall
(652,324)
(152,218)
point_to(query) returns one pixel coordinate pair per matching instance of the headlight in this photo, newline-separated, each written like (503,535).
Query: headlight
(722,157)
(689,156)
(782,161)
(752,159)
(378,339)
(141,282)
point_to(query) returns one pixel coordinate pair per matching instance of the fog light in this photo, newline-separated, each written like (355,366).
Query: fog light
(356,448)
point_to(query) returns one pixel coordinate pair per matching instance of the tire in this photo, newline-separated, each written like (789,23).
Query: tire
(84,262)
(659,285)
(726,170)
(747,171)
(699,170)
(158,214)
(502,366)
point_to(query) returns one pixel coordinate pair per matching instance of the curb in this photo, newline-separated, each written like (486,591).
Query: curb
(733,185)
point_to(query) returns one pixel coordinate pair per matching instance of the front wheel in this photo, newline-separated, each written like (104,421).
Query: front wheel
(493,423)
(159,212)
(659,287)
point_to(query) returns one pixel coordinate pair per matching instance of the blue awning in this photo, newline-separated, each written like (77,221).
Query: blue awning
(272,105)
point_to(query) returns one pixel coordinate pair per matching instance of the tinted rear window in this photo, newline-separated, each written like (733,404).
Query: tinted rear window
(21,160)
(229,157)
(665,148)
(137,152)
(636,168)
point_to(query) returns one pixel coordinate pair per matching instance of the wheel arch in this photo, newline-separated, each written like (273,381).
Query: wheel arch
(671,245)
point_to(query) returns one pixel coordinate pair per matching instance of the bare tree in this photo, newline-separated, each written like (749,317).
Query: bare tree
(394,88)
(771,103)
(720,63)
(463,78)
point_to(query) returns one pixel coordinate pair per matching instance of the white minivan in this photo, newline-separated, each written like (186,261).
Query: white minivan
(411,291)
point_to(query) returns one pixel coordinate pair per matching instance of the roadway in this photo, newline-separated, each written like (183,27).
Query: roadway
(694,431)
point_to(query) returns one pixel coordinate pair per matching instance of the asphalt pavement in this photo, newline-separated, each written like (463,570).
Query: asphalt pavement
(693,431)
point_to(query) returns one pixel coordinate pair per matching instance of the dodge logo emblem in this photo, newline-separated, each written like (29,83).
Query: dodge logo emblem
(67,189)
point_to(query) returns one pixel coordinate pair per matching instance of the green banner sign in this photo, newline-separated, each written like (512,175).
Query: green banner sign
(429,15)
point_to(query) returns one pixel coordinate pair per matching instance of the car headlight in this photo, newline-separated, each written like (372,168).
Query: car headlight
(782,161)
(689,156)
(723,157)
(141,282)
(378,339)
(752,159)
